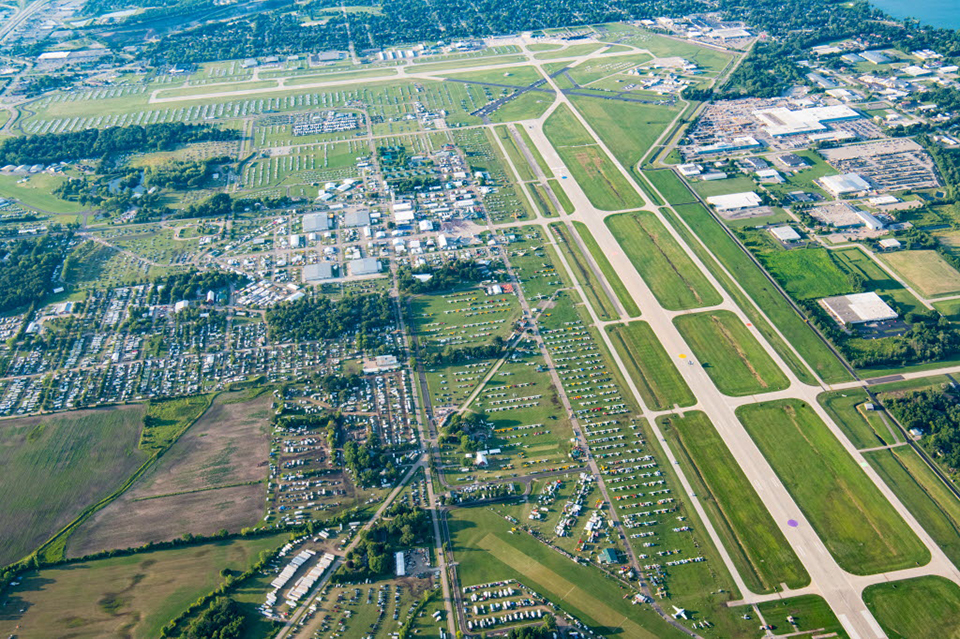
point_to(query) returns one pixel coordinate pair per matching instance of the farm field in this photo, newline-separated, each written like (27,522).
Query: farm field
(923,493)
(212,478)
(55,466)
(925,271)
(132,596)
(763,556)
(609,274)
(816,353)
(810,613)
(667,270)
(732,357)
(920,608)
(656,376)
(860,528)
(601,180)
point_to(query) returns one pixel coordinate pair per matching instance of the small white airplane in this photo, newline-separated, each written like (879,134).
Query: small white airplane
(679,613)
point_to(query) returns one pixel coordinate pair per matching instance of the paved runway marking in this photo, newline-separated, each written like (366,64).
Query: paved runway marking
(873,624)
(846,626)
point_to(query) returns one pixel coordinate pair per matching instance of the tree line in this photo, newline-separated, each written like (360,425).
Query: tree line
(47,148)
(317,318)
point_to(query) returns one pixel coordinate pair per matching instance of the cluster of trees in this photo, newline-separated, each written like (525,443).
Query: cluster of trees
(223,619)
(535,632)
(330,424)
(222,205)
(766,73)
(368,462)
(90,143)
(937,414)
(183,174)
(116,200)
(451,355)
(448,276)
(469,431)
(37,84)
(315,318)
(948,163)
(27,267)
(373,555)
(189,285)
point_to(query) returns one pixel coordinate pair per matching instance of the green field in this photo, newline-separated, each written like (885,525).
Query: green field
(55,466)
(807,273)
(921,608)
(809,612)
(670,186)
(486,551)
(760,551)
(35,192)
(864,429)
(858,525)
(671,275)
(609,274)
(656,377)
(629,129)
(877,280)
(601,180)
(133,596)
(732,357)
(800,335)
(924,494)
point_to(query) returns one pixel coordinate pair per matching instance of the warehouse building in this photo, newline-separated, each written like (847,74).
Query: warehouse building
(735,201)
(859,308)
(317,272)
(838,185)
(786,234)
(356,218)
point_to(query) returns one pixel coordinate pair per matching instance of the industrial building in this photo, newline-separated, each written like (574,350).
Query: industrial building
(786,234)
(847,183)
(859,308)
(735,201)
(364,266)
(782,121)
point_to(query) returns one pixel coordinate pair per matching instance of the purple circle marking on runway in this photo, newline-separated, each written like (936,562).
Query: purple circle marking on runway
(793,523)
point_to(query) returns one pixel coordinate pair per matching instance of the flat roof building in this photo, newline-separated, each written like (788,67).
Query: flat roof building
(735,201)
(356,218)
(844,184)
(318,271)
(859,308)
(364,266)
(315,222)
(786,234)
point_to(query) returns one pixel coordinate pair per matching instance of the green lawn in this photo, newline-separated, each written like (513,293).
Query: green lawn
(809,612)
(55,466)
(36,192)
(817,354)
(671,275)
(858,525)
(732,357)
(657,378)
(923,493)
(708,188)
(760,551)
(670,186)
(864,429)
(609,274)
(563,128)
(592,287)
(628,128)
(921,608)
(133,596)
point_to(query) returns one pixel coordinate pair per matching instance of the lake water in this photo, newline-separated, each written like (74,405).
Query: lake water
(937,13)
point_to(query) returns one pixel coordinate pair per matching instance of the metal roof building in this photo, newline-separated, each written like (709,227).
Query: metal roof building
(858,308)
(364,266)
(318,271)
(316,222)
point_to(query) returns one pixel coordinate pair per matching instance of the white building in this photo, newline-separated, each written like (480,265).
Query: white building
(735,201)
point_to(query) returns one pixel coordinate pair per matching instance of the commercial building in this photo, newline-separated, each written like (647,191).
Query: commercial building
(859,308)
(356,218)
(786,234)
(782,121)
(838,185)
(735,201)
